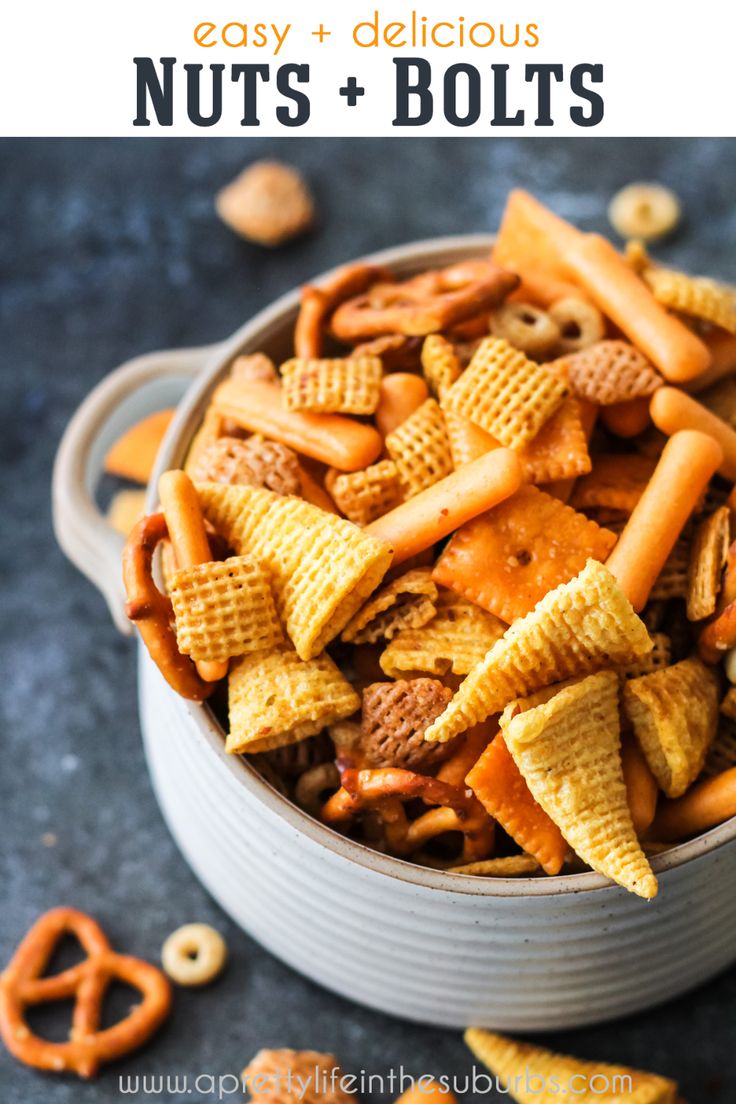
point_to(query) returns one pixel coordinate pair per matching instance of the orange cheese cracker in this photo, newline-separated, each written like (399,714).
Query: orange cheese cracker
(499,785)
(617,482)
(507,559)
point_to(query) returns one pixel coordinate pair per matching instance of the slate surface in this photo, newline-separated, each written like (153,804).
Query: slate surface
(109,249)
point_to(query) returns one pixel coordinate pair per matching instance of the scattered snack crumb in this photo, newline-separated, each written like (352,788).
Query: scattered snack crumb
(644,211)
(194,954)
(269,203)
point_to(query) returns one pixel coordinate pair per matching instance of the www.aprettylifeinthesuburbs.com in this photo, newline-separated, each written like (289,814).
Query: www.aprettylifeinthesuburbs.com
(321,1082)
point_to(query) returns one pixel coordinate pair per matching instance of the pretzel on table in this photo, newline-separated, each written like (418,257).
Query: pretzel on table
(22,986)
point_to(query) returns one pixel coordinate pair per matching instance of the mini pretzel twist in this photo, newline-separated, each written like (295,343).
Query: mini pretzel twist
(319,302)
(88,1047)
(152,611)
(379,789)
(433,301)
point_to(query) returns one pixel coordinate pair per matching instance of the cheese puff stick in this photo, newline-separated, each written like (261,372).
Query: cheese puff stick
(332,438)
(627,419)
(688,461)
(188,536)
(624,298)
(430,515)
(673,410)
(401,394)
(705,804)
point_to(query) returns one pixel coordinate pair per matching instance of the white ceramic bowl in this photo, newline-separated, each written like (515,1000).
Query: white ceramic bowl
(445,949)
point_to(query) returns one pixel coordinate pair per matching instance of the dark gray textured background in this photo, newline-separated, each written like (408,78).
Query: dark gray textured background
(109,249)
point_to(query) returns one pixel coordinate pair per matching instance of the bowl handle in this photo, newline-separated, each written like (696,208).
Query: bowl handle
(137,388)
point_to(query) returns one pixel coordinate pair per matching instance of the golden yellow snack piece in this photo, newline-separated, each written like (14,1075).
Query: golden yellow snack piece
(340,386)
(420,448)
(509,866)
(269,203)
(533,1075)
(674,714)
(644,211)
(321,567)
(365,495)
(659,657)
(275,699)
(708,555)
(125,510)
(457,637)
(254,366)
(440,364)
(696,296)
(581,626)
(407,602)
(295,1077)
(224,609)
(504,393)
(569,752)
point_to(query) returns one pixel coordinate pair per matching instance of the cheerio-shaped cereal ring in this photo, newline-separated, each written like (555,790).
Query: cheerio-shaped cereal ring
(525,327)
(193,954)
(580,324)
(644,211)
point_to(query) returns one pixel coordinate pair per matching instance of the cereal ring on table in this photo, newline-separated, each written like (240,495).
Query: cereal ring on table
(193,954)
(425,304)
(645,211)
(580,324)
(525,327)
(254,462)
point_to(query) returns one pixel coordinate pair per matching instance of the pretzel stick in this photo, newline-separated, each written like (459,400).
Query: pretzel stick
(688,461)
(430,515)
(401,394)
(331,438)
(319,302)
(706,804)
(152,611)
(627,419)
(641,786)
(672,410)
(624,298)
(188,536)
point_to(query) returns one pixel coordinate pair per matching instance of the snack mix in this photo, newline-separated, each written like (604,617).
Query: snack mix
(463,562)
